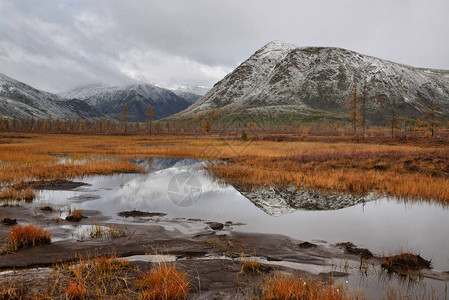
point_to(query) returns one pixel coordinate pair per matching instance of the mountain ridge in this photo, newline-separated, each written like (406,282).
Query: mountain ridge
(282,81)
(110,99)
(20,100)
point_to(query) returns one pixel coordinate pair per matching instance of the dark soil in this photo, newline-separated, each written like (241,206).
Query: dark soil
(47,208)
(8,221)
(216,225)
(350,248)
(74,218)
(138,213)
(307,245)
(54,185)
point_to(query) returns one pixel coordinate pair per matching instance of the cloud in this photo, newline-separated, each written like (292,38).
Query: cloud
(56,45)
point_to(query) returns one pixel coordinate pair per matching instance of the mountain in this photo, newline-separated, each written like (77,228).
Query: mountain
(190,93)
(110,100)
(284,83)
(20,100)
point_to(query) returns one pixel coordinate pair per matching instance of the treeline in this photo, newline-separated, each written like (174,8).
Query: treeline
(213,122)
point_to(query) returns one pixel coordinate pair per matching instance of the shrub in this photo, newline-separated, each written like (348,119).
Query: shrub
(244,136)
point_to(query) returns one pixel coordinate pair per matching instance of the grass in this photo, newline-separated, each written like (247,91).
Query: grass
(11,193)
(75,291)
(102,277)
(75,216)
(404,262)
(286,286)
(413,170)
(393,171)
(251,265)
(164,282)
(27,236)
(112,231)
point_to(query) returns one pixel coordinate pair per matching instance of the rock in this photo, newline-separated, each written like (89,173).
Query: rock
(216,225)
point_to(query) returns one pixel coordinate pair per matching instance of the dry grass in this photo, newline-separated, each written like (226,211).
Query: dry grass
(412,170)
(75,291)
(27,236)
(283,286)
(405,172)
(251,265)
(164,282)
(404,262)
(11,193)
(102,277)
(75,216)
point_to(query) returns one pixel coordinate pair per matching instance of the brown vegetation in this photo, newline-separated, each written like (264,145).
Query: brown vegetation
(404,262)
(28,236)
(283,286)
(164,282)
(75,216)
(417,169)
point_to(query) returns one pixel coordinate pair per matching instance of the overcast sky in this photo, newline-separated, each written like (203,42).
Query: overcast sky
(57,45)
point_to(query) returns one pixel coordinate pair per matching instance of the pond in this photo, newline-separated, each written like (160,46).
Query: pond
(182,189)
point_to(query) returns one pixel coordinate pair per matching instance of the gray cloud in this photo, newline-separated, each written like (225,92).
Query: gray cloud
(56,45)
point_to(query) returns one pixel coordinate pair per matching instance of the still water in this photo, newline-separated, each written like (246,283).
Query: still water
(180,188)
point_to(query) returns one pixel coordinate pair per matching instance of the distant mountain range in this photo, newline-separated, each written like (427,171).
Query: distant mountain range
(23,101)
(282,83)
(279,83)
(110,99)
(94,101)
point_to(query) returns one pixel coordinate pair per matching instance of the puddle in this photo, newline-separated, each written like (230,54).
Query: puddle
(85,232)
(151,258)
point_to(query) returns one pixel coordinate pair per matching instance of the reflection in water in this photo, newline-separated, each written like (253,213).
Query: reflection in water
(381,226)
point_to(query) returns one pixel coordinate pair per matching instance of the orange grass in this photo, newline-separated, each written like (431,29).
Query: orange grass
(28,236)
(108,264)
(75,291)
(75,216)
(408,171)
(283,286)
(164,282)
(10,193)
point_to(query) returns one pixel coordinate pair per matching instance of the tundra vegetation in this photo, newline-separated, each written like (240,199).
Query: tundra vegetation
(318,157)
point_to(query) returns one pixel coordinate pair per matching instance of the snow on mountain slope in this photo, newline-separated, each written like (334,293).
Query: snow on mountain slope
(20,100)
(192,89)
(281,79)
(110,100)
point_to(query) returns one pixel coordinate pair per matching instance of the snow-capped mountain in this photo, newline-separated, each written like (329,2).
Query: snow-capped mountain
(20,100)
(283,82)
(192,89)
(110,100)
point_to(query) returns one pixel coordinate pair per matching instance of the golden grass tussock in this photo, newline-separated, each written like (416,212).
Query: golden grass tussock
(11,193)
(75,291)
(164,282)
(75,216)
(108,264)
(404,262)
(28,236)
(285,286)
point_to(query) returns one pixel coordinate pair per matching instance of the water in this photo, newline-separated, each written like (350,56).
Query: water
(382,226)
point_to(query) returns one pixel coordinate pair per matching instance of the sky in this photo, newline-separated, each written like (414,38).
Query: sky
(58,45)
